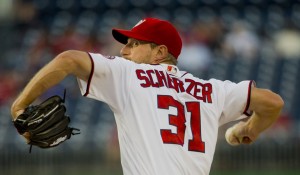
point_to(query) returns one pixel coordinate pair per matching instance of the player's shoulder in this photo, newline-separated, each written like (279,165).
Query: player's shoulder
(187,75)
(111,60)
(215,83)
(99,56)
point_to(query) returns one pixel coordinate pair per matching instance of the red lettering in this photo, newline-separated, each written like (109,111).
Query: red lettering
(161,78)
(170,82)
(190,86)
(206,92)
(199,91)
(141,76)
(196,89)
(149,73)
(178,85)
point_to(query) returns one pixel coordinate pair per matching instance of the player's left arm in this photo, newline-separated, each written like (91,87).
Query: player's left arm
(266,106)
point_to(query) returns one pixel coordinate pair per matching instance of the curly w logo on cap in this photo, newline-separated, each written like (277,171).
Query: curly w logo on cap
(140,22)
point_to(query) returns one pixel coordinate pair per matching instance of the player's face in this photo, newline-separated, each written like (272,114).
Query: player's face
(137,51)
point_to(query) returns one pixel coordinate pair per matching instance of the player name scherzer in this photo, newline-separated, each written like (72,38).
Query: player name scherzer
(155,78)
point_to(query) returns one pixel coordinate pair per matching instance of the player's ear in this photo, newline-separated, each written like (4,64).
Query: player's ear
(161,53)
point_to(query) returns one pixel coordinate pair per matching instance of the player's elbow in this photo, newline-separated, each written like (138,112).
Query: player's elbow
(278,101)
(66,58)
(266,102)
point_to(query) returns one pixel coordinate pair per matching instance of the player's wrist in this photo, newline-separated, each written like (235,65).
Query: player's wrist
(252,129)
(16,111)
(17,108)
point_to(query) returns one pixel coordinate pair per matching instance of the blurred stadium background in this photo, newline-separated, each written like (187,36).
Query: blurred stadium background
(223,39)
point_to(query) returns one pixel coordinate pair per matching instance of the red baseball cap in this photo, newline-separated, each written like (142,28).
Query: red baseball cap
(152,30)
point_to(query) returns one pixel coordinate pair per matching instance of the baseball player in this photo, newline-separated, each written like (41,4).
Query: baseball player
(167,119)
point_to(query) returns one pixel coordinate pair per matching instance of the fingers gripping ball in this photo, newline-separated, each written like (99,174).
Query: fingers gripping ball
(47,123)
(231,138)
(235,135)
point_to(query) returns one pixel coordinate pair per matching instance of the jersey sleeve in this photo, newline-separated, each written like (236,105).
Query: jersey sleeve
(235,100)
(108,81)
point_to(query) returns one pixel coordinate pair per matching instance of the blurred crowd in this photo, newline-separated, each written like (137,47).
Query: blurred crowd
(214,32)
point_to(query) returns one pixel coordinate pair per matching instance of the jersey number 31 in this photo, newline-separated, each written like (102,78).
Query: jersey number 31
(179,120)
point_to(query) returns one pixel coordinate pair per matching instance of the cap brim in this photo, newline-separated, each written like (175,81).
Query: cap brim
(123,35)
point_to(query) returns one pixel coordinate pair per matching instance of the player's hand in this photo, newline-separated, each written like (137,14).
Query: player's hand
(26,135)
(239,134)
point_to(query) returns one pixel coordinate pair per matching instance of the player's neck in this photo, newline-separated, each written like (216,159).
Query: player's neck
(167,62)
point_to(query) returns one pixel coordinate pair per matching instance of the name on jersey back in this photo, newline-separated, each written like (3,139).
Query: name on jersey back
(156,79)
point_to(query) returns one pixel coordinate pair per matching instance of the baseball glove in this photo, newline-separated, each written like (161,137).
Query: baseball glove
(46,123)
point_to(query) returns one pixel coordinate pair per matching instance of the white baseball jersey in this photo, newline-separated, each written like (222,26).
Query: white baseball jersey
(167,119)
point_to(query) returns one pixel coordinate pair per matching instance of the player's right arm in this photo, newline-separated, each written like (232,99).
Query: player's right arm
(71,62)
(266,107)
